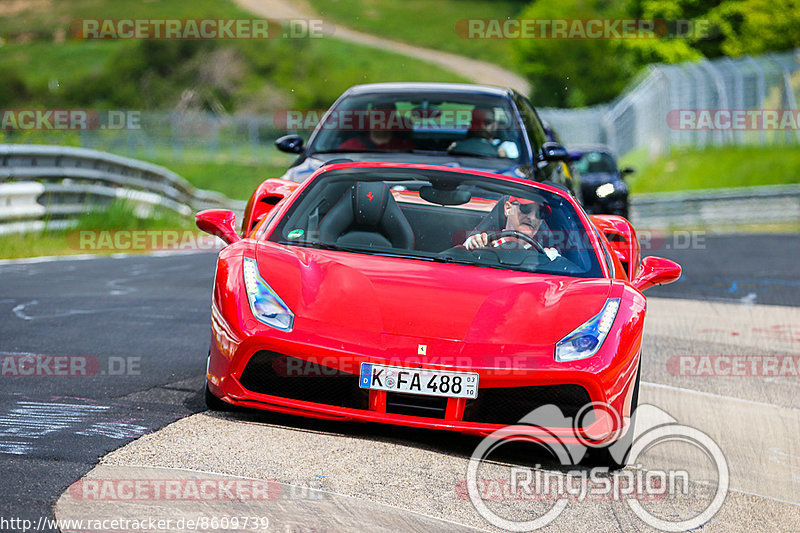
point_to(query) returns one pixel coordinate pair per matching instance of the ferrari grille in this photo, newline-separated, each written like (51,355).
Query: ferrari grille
(296,379)
(507,405)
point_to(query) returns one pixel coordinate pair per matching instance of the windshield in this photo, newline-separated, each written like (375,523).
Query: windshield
(430,215)
(596,162)
(457,124)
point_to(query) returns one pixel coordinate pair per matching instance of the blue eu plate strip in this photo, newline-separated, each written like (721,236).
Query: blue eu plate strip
(366,375)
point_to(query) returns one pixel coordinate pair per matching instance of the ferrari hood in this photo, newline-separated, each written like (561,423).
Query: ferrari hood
(420,299)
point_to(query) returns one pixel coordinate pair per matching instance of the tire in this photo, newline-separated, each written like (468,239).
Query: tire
(602,456)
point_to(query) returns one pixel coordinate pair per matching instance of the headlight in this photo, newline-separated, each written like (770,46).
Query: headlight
(604,190)
(266,306)
(587,339)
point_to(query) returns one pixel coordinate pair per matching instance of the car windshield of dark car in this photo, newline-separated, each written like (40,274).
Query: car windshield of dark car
(458,124)
(596,163)
(428,215)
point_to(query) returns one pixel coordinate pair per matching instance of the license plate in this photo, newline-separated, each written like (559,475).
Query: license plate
(419,381)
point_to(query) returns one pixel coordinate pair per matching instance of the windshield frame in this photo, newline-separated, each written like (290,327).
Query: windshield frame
(590,266)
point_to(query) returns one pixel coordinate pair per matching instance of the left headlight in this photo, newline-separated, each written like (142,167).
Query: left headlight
(587,339)
(265,304)
(604,190)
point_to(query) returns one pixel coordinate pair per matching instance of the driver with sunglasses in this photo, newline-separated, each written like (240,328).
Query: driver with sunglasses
(516,225)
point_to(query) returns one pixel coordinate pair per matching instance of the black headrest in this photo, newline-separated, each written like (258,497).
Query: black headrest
(369,202)
(367,214)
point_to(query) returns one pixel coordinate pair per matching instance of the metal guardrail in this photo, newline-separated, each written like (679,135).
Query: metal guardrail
(718,208)
(52,185)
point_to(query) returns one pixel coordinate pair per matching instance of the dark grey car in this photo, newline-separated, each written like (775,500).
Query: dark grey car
(436,123)
(603,187)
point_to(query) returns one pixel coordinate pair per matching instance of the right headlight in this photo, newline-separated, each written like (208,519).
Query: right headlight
(265,304)
(587,339)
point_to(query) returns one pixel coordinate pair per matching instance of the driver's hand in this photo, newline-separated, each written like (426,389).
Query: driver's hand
(479,240)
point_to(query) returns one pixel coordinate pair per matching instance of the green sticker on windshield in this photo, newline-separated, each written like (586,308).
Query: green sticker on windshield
(295,234)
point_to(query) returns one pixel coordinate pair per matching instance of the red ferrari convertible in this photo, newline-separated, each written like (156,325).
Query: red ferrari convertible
(351,296)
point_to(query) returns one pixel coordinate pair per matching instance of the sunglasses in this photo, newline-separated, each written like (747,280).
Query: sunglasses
(527,209)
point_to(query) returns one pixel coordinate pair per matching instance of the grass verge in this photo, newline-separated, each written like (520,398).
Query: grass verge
(740,166)
(116,217)
(427,24)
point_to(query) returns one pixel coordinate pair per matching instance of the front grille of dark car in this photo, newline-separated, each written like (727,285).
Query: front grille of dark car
(296,379)
(415,405)
(507,405)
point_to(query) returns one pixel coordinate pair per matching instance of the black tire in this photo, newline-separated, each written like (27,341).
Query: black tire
(602,456)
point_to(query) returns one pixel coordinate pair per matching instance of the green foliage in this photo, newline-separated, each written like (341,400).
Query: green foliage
(574,73)
(585,72)
(12,86)
(757,26)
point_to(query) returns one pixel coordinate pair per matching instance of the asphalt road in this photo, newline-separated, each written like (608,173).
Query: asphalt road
(136,331)
(132,329)
(759,269)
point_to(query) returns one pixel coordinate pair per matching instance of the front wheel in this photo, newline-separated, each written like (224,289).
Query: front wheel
(615,455)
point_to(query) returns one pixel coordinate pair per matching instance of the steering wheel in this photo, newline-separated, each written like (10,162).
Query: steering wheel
(517,235)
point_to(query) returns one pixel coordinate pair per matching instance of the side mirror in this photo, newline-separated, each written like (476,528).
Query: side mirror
(554,152)
(292,144)
(625,171)
(656,271)
(575,155)
(219,222)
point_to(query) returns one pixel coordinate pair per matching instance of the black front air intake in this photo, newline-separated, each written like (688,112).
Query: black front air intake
(289,377)
(507,405)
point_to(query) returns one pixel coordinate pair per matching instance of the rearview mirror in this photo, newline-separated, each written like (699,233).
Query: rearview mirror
(656,271)
(444,196)
(218,222)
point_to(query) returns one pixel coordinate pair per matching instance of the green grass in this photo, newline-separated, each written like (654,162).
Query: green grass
(42,19)
(44,63)
(253,75)
(425,23)
(234,179)
(118,216)
(689,169)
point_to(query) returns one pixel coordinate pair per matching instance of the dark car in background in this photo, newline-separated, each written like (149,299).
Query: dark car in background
(603,187)
(458,125)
